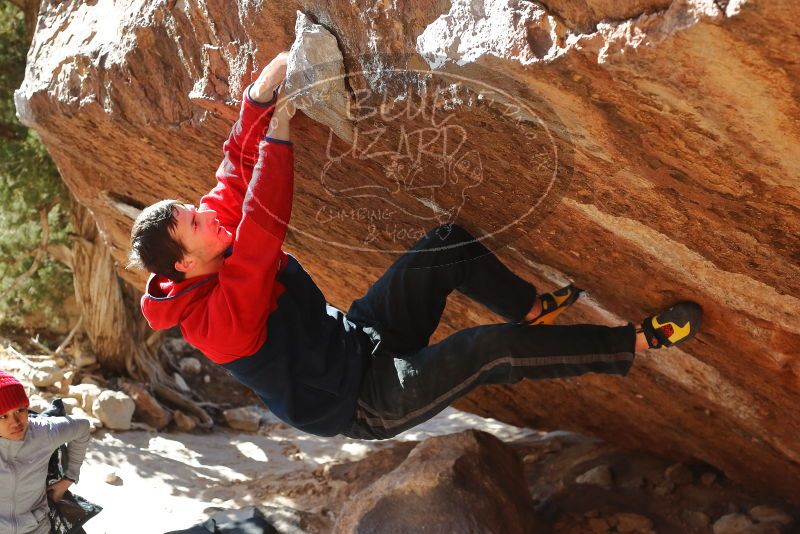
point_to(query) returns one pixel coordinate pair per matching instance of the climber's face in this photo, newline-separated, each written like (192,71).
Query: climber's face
(203,239)
(14,423)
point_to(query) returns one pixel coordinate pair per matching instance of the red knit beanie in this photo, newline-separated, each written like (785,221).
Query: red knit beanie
(12,394)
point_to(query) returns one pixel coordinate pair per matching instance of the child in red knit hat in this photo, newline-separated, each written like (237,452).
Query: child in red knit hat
(25,450)
(13,408)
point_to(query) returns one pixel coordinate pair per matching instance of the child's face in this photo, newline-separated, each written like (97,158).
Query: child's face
(200,233)
(14,423)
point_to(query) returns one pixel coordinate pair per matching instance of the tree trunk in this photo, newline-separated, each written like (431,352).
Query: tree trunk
(117,336)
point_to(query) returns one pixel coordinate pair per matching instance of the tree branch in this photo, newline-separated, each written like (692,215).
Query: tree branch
(44,348)
(170,396)
(69,337)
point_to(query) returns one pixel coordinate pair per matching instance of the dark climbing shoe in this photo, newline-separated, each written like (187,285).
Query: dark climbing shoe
(676,325)
(556,302)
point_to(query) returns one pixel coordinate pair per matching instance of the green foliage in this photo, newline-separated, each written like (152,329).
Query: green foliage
(28,182)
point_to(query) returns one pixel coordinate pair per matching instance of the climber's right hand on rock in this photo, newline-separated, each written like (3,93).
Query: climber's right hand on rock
(270,77)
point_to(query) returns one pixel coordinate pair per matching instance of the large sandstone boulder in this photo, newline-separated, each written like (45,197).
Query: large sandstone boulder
(469,482)
(646,149)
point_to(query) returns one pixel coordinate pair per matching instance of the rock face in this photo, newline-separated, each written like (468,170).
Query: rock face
(467,482)
(647,150)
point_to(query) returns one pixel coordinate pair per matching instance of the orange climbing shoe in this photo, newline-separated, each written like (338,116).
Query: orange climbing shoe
(676,325)
(556,302)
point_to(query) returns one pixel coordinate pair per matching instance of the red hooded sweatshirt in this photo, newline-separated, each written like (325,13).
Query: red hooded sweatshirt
(224,314)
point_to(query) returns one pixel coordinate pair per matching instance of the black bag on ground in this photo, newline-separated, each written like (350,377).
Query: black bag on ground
(69,515)
(257,524)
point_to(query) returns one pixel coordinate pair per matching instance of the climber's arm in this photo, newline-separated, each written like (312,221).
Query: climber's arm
(241,150)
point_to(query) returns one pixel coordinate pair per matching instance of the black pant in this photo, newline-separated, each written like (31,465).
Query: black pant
(408,381)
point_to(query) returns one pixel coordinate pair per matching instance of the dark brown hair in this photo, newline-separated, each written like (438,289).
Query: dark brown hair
(152,245)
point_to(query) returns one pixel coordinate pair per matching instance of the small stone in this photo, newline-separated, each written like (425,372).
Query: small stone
(113,479)
(770,514)
(115,409)
(190,366)
(246,418)
(598,476)
(628,522)
(181,383)
(207,379)
(708,479)
(60,362)
(694,519)
(44,374)
(732,524)
(185,423)
(679,474)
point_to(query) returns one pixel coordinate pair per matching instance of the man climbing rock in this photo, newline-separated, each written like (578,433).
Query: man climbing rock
(219,272)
